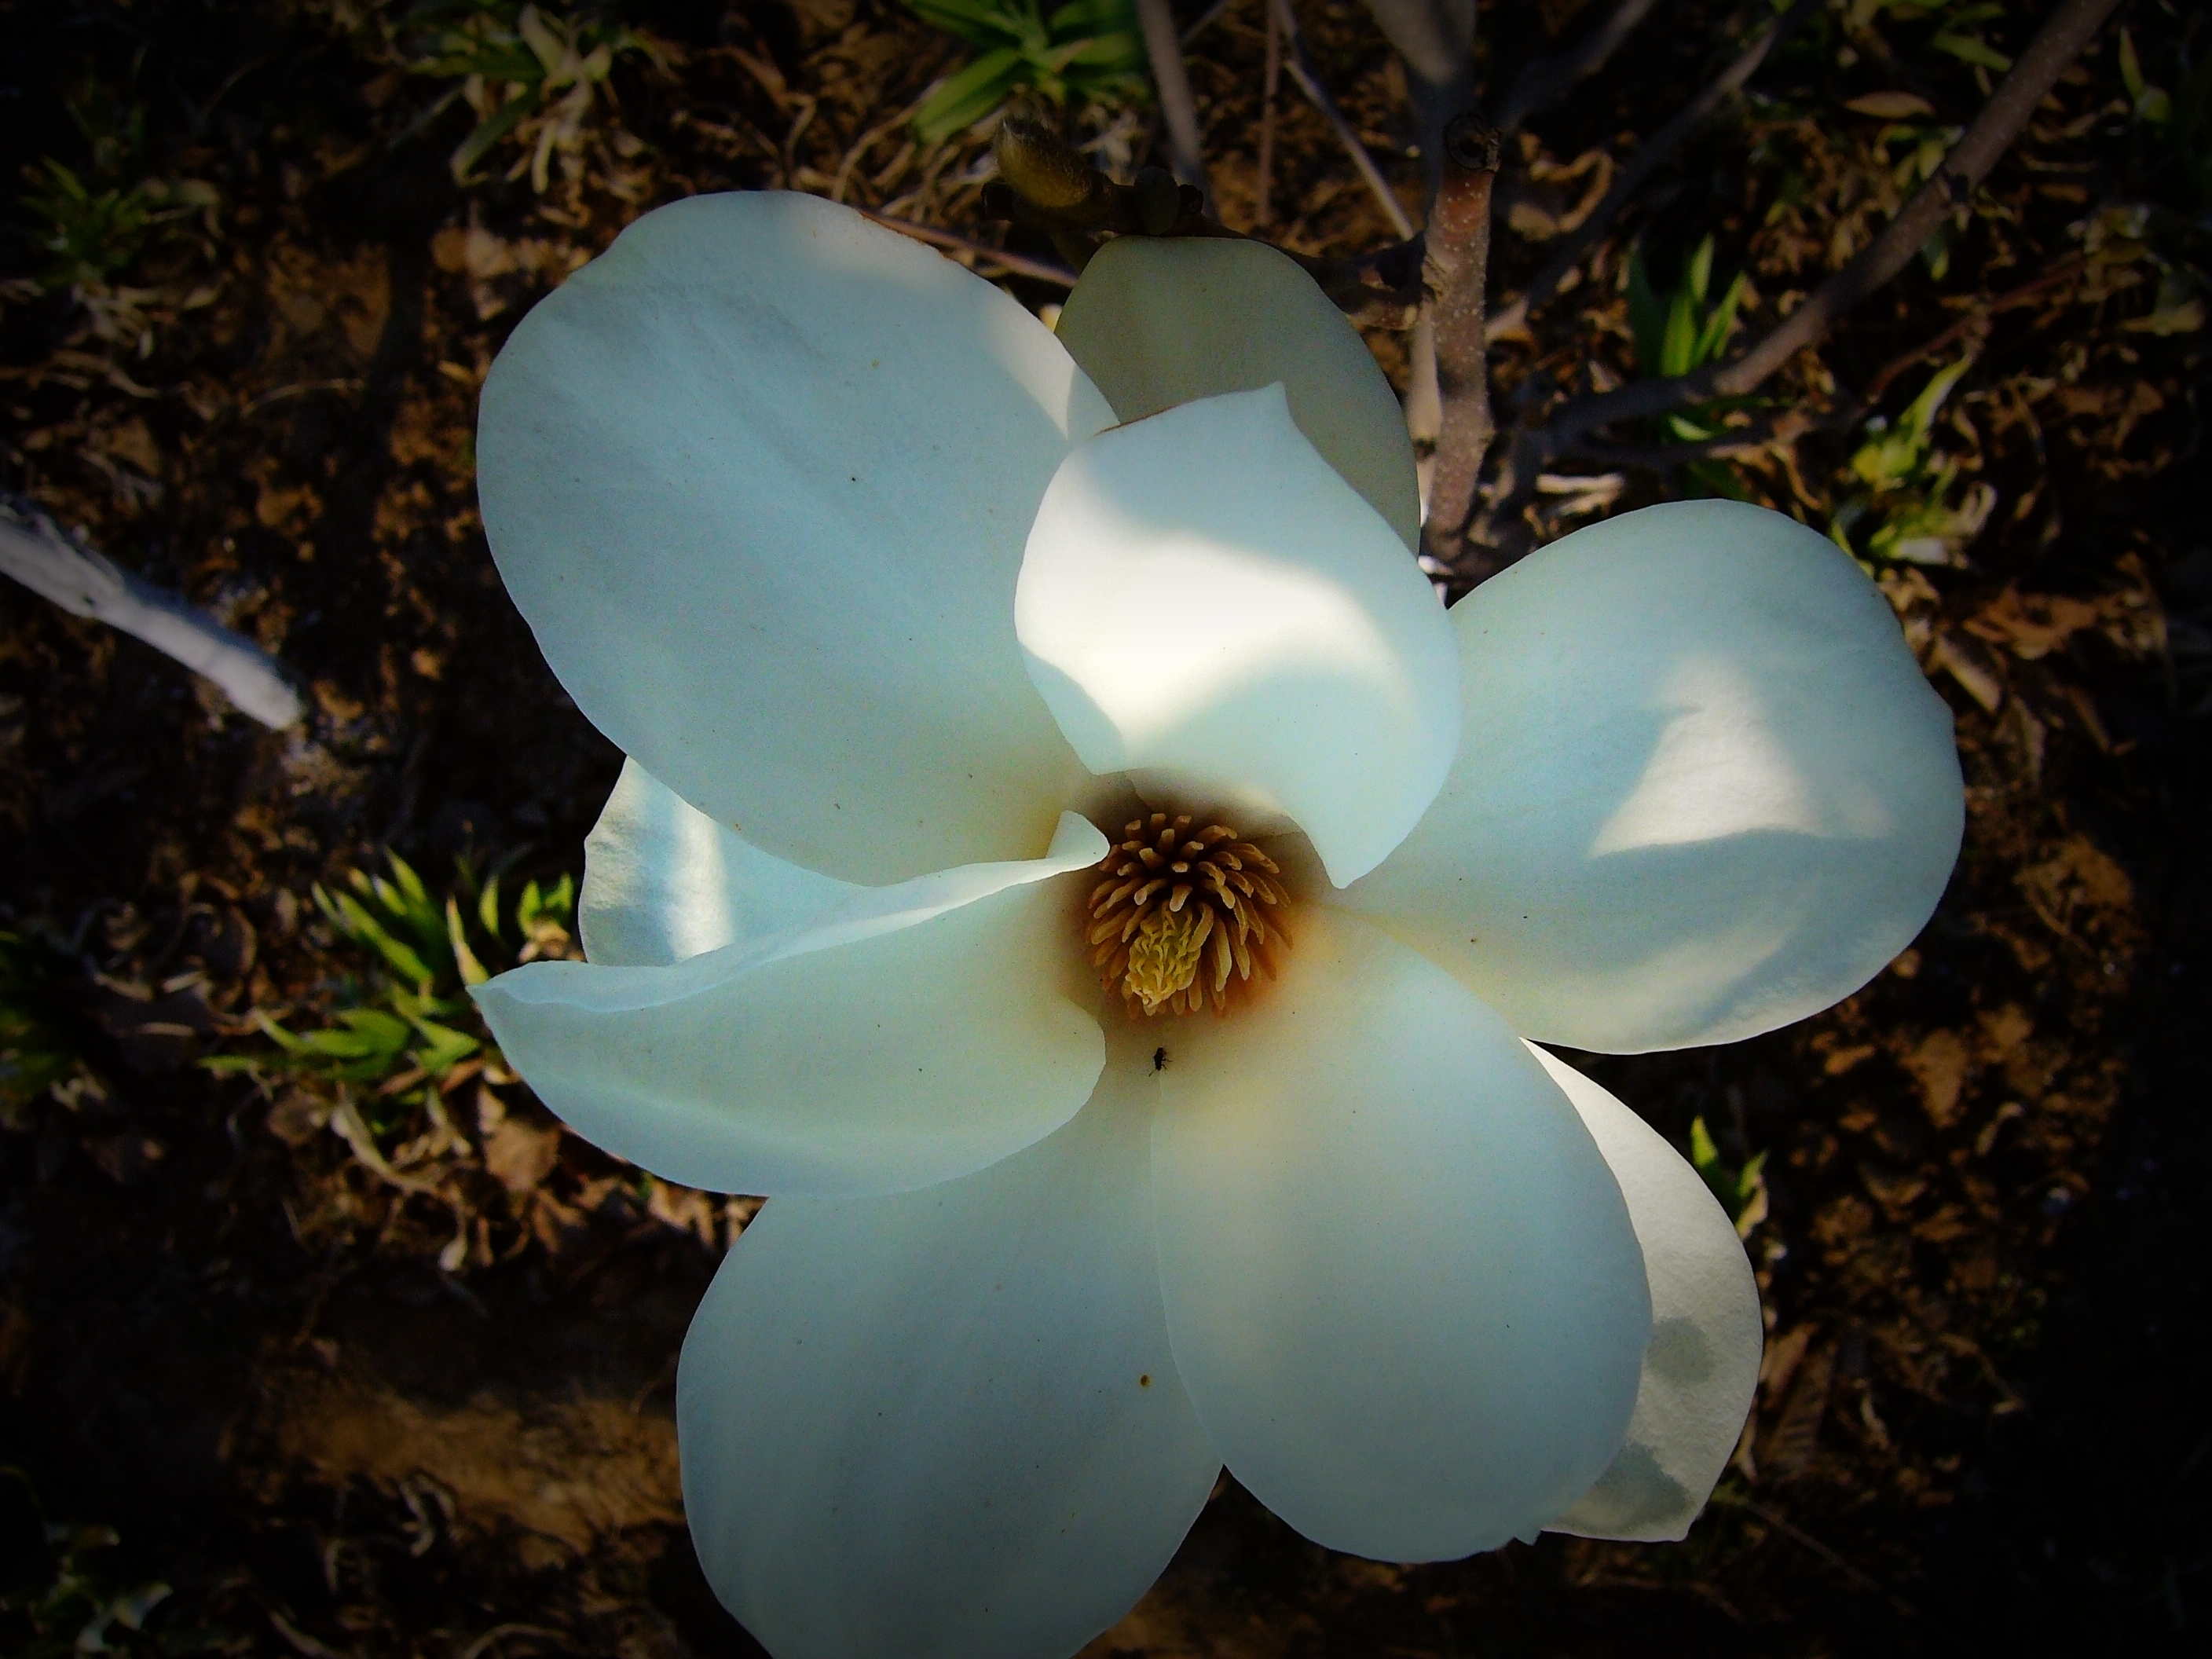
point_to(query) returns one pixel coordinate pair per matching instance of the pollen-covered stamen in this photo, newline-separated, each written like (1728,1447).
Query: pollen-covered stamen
(1182,913)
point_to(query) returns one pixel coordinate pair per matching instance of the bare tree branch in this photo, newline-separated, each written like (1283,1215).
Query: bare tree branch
(35,551)
(1264,212)
(1301,66)
(1163,46)
(1655,151)
(1543,81)
(2064,271)
(1454,275)
(1020,265)
(1436,37)
(2060,39)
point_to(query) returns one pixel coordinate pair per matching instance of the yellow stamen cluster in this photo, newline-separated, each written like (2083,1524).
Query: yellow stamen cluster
(1181,912)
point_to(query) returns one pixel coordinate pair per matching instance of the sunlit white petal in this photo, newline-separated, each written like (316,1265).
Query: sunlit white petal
(1206,604)
(916,1033)
(946,1423)
(663,881)
(1704,789)
(1401,1282)
(759,476)
(1702,1367)
(1161,320)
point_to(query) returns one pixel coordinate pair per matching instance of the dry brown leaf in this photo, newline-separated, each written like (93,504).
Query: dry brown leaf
(1938,1064)
(518,1156)
(1890,106)
(2032,625)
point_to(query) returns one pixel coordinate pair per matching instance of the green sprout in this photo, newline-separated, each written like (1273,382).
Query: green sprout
(1909,487)
(528,74)
(1742,1192)
(1086,50)
(2180,122)
(406,1033)
(93,224)
(1681,332)
(36,1049)
(75,1609)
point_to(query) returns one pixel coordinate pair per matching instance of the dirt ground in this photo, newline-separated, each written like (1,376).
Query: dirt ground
(382,1362)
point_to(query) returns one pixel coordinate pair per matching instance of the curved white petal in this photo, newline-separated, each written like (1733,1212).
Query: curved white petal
(663,881)
(1206,604)
(759,478)
(946,1423)
(1703,791)
(1403,1288)
(1161,320)
(1702,1367)
(914,1034)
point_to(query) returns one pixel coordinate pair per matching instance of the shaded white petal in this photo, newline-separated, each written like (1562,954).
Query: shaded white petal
(1403,1288)
(759,476)
(946,1423)
(663,881)
(1161,320)
(1703,791)
(1206,605)
(1702,1367)
(916,1033)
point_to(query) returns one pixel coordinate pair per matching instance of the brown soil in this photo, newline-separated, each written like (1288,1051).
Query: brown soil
(428,1407)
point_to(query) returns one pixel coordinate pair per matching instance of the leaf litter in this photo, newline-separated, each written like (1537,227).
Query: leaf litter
(402,1350)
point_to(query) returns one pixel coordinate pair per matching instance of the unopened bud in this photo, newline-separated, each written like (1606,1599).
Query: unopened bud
(1159,200)
(1043,168)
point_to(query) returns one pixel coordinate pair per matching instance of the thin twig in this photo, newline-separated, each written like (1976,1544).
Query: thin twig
(1797,1535)
(1543,81)
(1019,264)
(499,1633)
(2060,39)
(1743,440)
(1213,14)
(861,146)
(1793,424)
(1436,39)
(36,552)
(1163,46)
(1657,150)
(1302,71)
(2064,271)
(1264,212)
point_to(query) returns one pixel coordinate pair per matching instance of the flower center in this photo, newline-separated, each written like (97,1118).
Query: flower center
(1180,913)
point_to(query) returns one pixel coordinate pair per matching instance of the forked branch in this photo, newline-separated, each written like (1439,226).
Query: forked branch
(2060,39)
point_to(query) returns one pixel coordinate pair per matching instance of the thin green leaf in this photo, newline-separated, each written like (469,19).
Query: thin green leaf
(494,127)
(1971,49)
(1677,345)
(969,96)
(472,971)
(365,930)
(1698,274)
(1647,316)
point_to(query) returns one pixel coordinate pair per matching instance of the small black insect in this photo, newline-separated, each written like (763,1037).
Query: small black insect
(1159,1060)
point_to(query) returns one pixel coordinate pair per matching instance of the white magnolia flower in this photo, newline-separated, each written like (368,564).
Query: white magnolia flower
(851,556)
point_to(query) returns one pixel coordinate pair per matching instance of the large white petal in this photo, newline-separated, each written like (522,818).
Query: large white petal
(1403,1287)
(663,881)
(1206,604)
(759,478)
(916,1033)
(946,1423)
(1703,788)
(1161,320)
(1702,1367)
